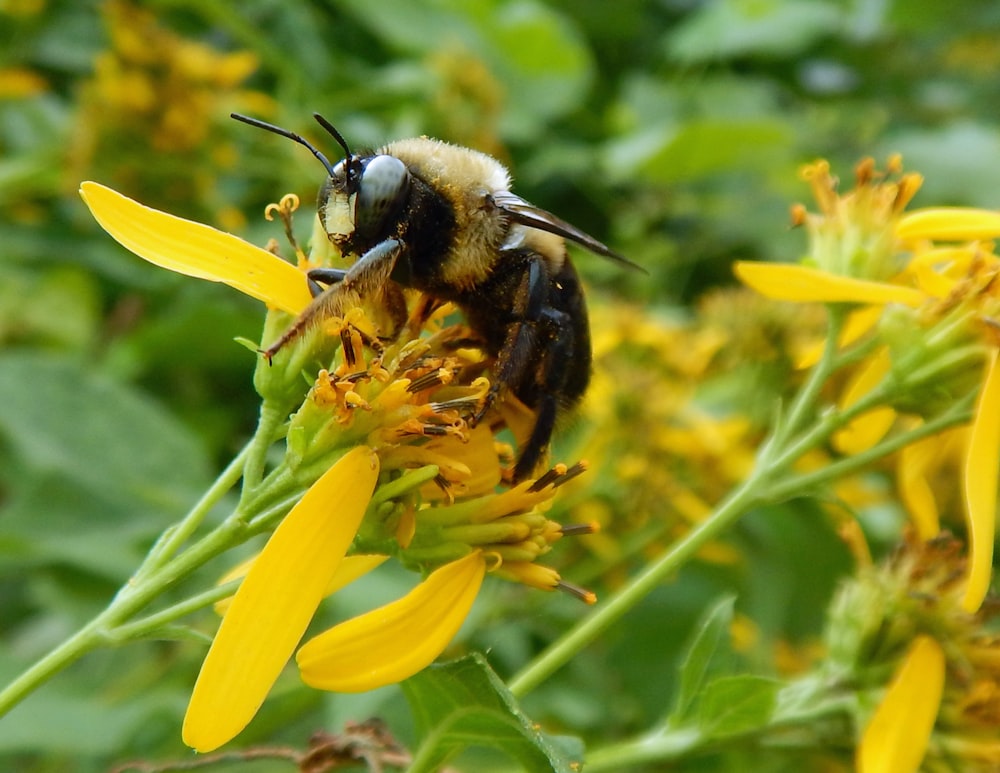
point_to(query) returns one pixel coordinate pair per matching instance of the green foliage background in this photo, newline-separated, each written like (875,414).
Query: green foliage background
(672,130)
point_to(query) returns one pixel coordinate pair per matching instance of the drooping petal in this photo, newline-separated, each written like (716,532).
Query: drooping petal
(276,601)
(802,284)
(396,641)
(197,250)
(896,739)
(959,224)
(917,493)
(935,283)
(870,427)
(349,570)
(982,464)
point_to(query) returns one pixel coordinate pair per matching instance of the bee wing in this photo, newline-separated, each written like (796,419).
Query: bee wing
(526,213)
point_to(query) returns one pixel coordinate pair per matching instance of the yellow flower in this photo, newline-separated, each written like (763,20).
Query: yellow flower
(399,407)
(869,253)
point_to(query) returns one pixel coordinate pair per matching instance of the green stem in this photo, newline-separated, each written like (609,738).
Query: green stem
(268,429)
(152,624)
(108,627)
(777,454)
(804,403)
(177,535)
(958,414)
(672,743)
(130,599)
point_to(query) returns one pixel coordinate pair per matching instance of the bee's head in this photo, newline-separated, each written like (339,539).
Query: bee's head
(362,196)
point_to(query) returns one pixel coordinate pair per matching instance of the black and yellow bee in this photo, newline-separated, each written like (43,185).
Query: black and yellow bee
(441,219)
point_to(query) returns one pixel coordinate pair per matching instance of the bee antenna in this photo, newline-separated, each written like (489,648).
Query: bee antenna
(352,165)
(333,133)
(290,135)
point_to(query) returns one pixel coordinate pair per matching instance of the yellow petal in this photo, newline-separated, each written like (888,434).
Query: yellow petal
(896,739)
(917,493)
(858,322)
(957,224)
(936,272)
(870,427)
(802,284)
(396,641)
(349,569)
(981,467)
(197,250)
(276,601)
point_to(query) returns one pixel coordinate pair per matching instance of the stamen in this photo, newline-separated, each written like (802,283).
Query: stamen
(577,469)
(284,209)
(579,529)
(548,478)
(864,172)
(434,378)
(347,343)
(445,485)
(367,340)
(586,596)
(460,404)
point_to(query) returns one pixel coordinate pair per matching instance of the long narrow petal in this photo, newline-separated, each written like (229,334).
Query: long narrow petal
(349,570)
(197,250)
(276,601)
(960,224)
(802,284)
(896,739)
(396,641)
(982,464)
(870,427)
(915,461)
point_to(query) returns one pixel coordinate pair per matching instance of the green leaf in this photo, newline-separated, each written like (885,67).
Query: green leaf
(533,51)
(731,28)
(718,146)
(736,704)
(709,653)
(60,417)
(464,704)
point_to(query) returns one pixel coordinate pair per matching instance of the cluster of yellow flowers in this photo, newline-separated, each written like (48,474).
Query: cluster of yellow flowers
(914,302)
(921,305)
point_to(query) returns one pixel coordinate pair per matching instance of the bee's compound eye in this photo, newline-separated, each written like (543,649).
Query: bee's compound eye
(384,184)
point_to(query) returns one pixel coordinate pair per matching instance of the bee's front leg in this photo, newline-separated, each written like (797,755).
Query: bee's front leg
(369,275)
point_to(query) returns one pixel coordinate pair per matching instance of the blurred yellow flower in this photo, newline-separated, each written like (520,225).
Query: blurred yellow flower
(868,252)
(896,739)
(927,671)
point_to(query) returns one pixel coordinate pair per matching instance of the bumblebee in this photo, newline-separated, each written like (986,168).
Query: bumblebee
(435,217)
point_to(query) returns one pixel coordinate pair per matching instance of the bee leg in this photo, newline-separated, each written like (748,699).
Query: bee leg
(520,342)
(557,354)
(324,276)
(368,274)
(534,361)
